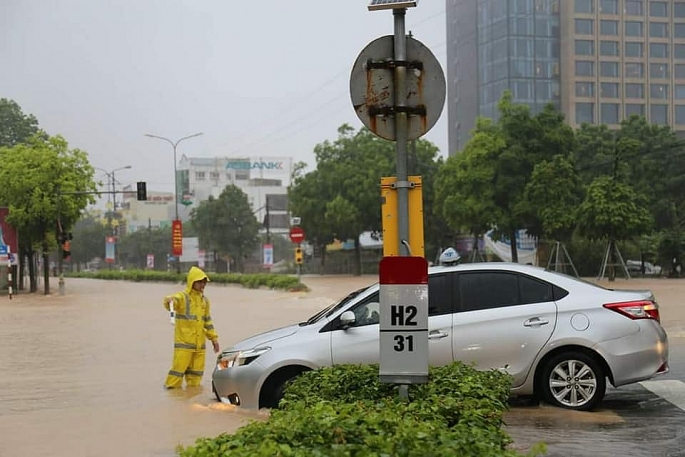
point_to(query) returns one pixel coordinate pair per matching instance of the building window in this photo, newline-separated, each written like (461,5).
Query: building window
(584,27)
(679,9)
(635,7)
(637,109)
(680,91)
(608,27)
(680,114)
(199,175)
(608,6)
(634,90)
(609,113)
(635,70)
(585,68)
(608,90)
(679,30)
(608,48)
(214,175)
(679,51)
(658,114)
(585,112)
(585,6)
(585,48)
(634,28)
(679,71)
(634,49)
(658,9)
(658,30)
(585,89)
(659,50)
(609,69)
(658,70)
(658,91)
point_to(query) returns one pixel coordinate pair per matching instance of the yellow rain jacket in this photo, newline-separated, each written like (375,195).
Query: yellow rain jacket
(193,326)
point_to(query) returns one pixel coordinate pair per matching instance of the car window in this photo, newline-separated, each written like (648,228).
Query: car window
(485,290)
(534,291)
(367,312)
(440,294)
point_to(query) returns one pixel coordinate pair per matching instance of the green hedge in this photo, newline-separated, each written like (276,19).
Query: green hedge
(253,281)
(346,411)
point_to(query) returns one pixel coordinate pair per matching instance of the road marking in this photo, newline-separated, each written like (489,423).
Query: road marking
(671,390)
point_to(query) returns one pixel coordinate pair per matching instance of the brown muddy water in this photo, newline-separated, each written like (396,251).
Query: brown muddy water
(82,373)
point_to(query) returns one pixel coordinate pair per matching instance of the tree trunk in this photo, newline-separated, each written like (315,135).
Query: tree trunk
(46,269)
(323,259)
(31,259)
(514,250)
(357,270)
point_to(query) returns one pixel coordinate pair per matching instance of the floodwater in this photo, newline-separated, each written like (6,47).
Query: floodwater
(82,373)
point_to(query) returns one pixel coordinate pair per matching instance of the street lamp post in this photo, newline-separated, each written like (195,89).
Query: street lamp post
(174,144)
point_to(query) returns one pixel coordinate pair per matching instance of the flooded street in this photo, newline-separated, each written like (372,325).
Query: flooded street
(83,372)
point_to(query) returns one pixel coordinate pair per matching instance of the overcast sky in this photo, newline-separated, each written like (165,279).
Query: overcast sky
(257,77)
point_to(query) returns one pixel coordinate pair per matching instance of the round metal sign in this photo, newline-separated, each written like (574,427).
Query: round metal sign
(373,94)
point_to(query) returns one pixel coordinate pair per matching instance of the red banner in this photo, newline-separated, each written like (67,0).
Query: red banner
(9,240)
(176,238)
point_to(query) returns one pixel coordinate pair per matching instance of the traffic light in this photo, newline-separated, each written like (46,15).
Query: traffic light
(141,191)
(298,256)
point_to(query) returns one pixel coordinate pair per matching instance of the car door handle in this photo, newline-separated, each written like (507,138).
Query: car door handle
(535,322)
(436,335)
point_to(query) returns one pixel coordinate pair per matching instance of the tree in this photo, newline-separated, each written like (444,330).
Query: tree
(43,184)
(135,247)
(511,148)
(89,240)
(463,190)
(341,198)
(15,126)
(227,225)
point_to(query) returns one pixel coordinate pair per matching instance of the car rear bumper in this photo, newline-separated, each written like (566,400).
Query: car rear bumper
(242,382)
(638,356)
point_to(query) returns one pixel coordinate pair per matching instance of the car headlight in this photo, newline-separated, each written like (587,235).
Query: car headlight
(237,358)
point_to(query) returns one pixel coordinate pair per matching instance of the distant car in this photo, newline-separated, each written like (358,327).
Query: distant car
(559,337)
(635,267)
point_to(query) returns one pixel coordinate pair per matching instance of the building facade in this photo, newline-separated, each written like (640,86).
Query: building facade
(265,181)
(598,61)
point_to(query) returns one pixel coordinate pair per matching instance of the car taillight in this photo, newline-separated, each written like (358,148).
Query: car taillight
(639,309)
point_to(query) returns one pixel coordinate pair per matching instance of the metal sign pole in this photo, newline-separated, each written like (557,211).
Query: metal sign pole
(400,54)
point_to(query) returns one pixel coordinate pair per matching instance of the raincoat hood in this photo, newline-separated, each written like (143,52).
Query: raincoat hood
(195,274)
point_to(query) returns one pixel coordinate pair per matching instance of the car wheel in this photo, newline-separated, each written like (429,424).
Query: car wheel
(573,380)
(274,388)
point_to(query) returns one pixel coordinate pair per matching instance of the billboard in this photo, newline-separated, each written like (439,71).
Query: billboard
(9,238)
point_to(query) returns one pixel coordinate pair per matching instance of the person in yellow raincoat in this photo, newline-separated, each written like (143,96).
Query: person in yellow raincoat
(193,326)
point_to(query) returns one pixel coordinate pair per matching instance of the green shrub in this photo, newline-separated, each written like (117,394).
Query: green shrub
(252,281)
(346,411)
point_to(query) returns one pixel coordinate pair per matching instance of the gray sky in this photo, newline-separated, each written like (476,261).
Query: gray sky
(258,77)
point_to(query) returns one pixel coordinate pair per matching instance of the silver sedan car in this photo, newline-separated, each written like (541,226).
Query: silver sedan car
(560,338)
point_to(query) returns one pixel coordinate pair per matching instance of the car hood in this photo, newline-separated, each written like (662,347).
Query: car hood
(264,338)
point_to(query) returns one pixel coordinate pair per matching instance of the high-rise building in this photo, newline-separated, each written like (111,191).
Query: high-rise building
(598,61)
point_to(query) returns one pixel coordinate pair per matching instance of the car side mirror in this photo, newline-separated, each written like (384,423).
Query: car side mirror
(347,319)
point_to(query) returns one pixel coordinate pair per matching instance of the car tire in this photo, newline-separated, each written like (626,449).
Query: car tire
(573,380)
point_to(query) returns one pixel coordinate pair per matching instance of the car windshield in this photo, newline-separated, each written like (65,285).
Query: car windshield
(333,307)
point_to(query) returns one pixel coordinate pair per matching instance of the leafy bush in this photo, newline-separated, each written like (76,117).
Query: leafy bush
(253,281)
(346,411)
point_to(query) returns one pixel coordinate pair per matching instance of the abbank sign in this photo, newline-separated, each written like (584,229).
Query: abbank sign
(254,165)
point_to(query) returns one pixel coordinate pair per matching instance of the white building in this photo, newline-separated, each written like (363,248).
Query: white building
(261,178)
